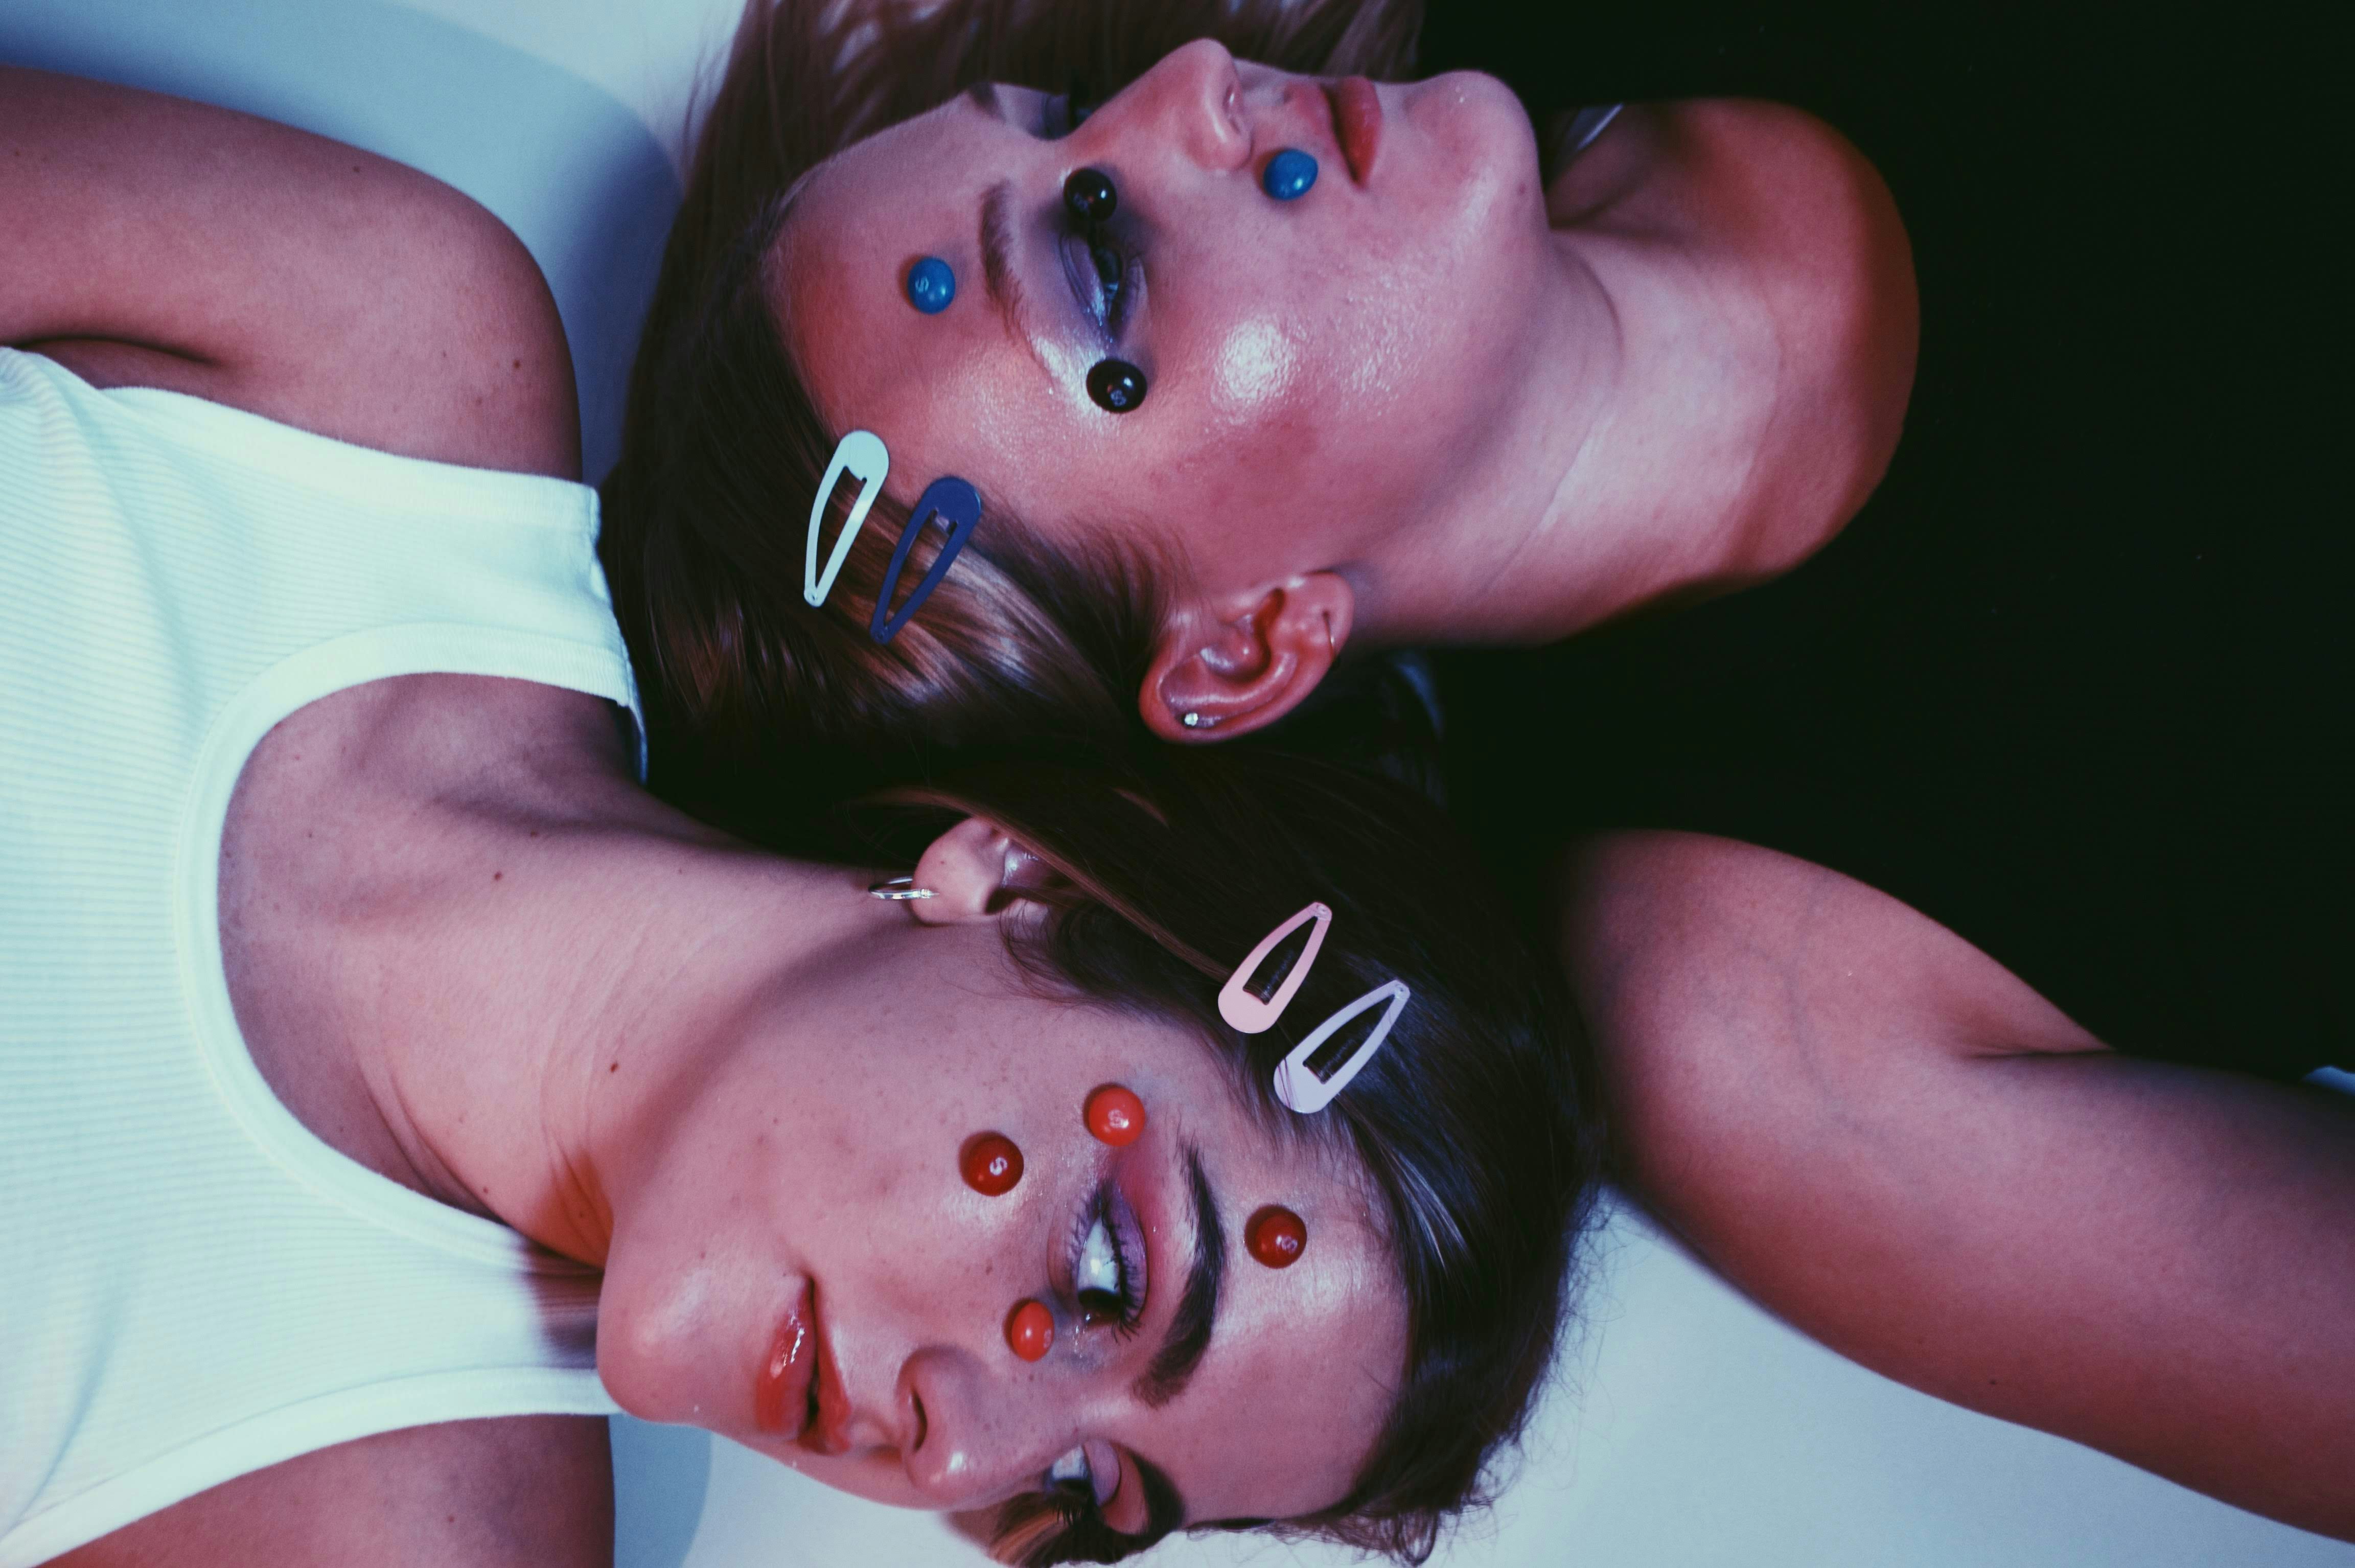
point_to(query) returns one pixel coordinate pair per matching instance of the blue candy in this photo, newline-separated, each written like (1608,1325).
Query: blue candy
(931,283)
(1288,175)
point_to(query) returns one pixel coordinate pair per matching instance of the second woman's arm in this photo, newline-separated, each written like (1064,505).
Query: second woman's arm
(149,240)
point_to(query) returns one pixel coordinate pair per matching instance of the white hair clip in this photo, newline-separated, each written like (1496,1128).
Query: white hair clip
(1301,1086)
(861,455)
(1254,1011)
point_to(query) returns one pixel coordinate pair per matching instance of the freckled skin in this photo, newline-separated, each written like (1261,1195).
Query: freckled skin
(1390,321)
(826,1152)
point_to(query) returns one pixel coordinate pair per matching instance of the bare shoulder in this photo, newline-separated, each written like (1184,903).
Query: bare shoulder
(524,1492)
(1711,970)
(152,240)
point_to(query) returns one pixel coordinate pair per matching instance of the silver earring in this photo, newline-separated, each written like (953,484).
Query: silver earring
(1195,721)
(900,889)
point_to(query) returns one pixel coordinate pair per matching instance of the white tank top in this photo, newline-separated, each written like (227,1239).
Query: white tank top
(193,1285)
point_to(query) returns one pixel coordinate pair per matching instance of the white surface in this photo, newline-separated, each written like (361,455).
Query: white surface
(1701,1431)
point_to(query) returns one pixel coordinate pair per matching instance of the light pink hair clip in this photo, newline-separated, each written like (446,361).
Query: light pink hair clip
(1242,1007)
(1303,1083)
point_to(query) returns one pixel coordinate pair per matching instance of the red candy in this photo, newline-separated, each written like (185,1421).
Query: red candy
(1030,1331)
(1275,1237)
(1116,1116)
(992,1165)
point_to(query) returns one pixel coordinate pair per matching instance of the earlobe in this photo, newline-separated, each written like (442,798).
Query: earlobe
(978,871)
(1227,669)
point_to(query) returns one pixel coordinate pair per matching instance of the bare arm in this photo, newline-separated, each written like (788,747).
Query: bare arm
(1887,1138)
(526,1492)
(149,240)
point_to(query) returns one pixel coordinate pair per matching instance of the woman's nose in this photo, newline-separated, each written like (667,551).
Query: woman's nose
(1192,99)
(983,1431)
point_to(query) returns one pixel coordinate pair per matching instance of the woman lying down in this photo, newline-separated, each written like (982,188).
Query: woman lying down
(391,1087)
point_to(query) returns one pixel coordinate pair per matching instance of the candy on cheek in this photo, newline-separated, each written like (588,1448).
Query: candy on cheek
(1275,1237)
(1116,1116)
(992,1165)
(1030,1331)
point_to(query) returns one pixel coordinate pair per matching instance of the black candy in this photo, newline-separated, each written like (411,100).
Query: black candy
(1089,194)
(1116,386)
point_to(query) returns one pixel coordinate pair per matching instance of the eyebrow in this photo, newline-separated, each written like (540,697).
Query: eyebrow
(997,257)
(1197,1309)
(983,97)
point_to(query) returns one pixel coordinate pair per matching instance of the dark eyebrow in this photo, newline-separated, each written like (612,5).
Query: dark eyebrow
(997,256)
(1197,1309)
(983,97)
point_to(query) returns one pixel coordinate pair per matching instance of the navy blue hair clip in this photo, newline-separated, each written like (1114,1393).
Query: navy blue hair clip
(958,506)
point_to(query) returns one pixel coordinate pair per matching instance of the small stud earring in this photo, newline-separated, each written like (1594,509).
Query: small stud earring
(1116,386)
(900,889)
(932,284)
(1193,722)
(1288,175)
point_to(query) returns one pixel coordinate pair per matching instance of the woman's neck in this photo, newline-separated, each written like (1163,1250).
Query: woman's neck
(462,942)
(1723,383)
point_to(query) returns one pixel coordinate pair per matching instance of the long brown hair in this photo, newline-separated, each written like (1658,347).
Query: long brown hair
(762,707)
(1475,1126)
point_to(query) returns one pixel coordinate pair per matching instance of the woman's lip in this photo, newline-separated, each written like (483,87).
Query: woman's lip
(780,1387)
(828,1430)
(1357,124)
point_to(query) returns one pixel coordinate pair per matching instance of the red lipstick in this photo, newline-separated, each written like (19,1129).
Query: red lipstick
(780,1389)
(1357,122)
(828,1430)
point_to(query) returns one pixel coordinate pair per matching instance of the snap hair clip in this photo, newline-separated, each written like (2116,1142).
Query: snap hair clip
(1306,1086)
(957,505)
(861,455)
(1251,1001)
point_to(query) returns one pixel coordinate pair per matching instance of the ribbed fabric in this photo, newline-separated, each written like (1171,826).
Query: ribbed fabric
(192,1286)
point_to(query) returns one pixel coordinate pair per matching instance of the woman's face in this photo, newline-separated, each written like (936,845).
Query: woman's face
(807,1188)
(1317,368)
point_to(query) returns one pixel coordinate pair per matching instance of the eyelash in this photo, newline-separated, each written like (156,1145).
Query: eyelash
(1129,1298)
(1059,115)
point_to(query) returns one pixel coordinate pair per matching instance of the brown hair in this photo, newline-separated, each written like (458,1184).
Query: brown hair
(1473,1126)
(760,706)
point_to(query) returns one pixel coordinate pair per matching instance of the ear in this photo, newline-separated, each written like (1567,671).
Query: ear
(978,871)
(1242,665)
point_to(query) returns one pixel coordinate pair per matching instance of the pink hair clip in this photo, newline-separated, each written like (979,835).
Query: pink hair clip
(1243,1005)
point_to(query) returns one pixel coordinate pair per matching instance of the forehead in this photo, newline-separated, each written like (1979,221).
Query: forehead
(1305,1366)
(857,225)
